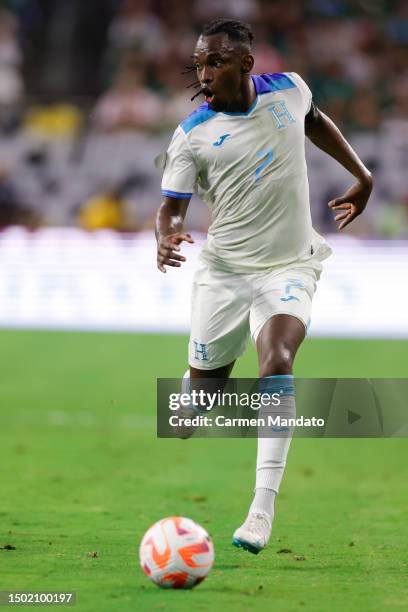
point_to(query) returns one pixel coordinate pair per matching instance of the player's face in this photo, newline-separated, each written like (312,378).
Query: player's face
(220,66)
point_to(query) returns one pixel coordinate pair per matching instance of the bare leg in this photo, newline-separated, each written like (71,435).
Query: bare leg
(277,344)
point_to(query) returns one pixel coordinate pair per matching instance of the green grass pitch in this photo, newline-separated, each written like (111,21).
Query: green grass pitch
(82,472)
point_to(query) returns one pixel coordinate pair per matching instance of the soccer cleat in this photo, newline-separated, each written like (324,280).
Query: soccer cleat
(254,534)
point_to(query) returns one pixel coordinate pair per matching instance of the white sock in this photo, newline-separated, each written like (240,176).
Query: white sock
(273,451)
(264,501)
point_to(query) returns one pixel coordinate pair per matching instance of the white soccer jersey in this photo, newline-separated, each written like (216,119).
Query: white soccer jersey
(250,169)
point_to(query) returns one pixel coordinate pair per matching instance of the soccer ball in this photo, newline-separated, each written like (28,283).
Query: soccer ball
(176,553)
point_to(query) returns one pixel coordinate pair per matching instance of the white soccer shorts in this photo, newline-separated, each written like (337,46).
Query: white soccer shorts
(227,308)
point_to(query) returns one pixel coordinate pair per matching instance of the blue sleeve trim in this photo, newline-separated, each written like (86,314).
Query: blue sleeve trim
(200,115)
(267,83)
(176,194)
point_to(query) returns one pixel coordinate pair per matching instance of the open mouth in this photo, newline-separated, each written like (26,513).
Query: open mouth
(208,94)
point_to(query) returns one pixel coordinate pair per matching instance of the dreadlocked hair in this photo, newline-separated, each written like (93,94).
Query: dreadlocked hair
(237,31)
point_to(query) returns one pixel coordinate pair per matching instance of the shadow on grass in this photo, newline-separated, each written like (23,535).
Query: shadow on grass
(205,589)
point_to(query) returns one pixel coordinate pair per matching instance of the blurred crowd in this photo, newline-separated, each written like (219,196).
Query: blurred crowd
(91,91)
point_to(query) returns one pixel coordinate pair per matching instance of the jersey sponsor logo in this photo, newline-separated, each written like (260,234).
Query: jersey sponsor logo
(281,114)
(221,139)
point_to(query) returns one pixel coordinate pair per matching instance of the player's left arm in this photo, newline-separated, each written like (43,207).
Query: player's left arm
(325,134)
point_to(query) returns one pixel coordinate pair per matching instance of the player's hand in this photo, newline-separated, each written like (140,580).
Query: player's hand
(168,250)
(352,203)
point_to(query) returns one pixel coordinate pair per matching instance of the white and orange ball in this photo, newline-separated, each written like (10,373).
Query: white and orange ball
(176,553)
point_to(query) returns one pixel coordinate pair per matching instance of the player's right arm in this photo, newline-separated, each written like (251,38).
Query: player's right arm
(169,232)
(178,185)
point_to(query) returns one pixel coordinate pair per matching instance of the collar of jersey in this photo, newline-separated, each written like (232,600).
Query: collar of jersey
(263,83)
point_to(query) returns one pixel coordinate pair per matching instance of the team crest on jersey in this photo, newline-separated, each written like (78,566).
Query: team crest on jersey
(281,114)
(221,139)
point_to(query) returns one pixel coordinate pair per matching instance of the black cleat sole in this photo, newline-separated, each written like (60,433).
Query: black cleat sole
(246,546)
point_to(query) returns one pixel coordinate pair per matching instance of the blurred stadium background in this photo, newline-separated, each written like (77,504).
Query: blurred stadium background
(90,93)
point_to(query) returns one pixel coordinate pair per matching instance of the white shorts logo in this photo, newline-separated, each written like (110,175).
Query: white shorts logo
(200,351)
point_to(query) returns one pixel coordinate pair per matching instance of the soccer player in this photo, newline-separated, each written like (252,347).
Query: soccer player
(244,151)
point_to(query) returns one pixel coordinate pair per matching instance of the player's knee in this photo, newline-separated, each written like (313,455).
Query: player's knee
(276,362)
